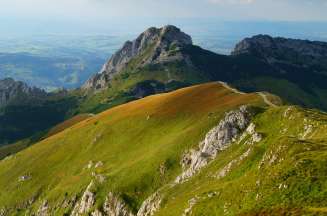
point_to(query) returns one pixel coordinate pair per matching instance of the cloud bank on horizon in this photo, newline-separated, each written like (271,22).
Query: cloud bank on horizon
(225,9)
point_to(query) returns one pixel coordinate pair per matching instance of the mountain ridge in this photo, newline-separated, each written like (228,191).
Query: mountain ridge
(26,112)
(254,65)
(207,148)
(261,44)
(159,38)
(11,90)
(162,60)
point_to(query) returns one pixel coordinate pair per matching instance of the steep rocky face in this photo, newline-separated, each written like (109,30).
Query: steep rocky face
(11,90)
(112,206)
(217,139)
(283,50)
(150,205)
(115,207)
(159,44)
(43,210)
(86,203)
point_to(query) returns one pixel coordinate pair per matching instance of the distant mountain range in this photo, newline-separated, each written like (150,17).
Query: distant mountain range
(27,111)
(17,92)
(162,60)
(293,69)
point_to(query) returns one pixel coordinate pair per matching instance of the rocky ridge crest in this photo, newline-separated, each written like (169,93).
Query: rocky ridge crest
(11,89)
(217,139)
(164,44)
(274,49)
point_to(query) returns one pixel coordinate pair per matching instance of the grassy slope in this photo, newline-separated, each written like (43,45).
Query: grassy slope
(136,139)
(67,124)
(131,147)
(285,174)
(7,150)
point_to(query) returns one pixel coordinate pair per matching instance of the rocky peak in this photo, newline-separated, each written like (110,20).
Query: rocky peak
(275,49)
(250,45)
(11,90)
(158,41)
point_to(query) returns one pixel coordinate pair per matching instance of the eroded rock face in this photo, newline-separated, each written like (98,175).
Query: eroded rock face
(150,205)
(254,135)
(191,203)
(160,40)
(113,206)
(43,209)
(86,203)
(217,139)
(3,212)
(97,213)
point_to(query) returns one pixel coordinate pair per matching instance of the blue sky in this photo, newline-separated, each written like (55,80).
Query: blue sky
(290,10)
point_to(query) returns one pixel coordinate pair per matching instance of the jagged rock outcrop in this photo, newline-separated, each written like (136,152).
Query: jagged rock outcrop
(2,212)
(280,49)
(86,203)
(150,205)
(11,90)
(97,213)
(254,135)
(43,209)
(159,44)
(113,206)
(217,139)
(191,203)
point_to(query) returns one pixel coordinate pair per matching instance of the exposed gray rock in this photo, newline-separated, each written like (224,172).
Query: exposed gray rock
(161,41)
(254,135)
(86,203)
(43,209)
(97,213)
(100,178)
(217,139)
(191,203)
(150,205)
(113,206)
(98,164)
(90,165)
(272,157)
(69,202)
(308,129)
(3,212)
